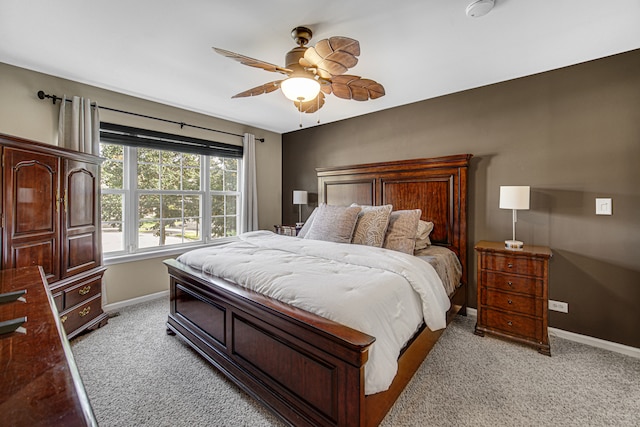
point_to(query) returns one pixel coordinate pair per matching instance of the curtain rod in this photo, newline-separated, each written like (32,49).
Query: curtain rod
(55,98)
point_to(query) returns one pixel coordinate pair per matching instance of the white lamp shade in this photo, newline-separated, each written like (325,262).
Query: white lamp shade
(300,88)
(514,197)
(299,197)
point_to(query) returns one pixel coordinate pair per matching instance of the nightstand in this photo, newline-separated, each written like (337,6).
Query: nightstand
(287,230)
(513,293)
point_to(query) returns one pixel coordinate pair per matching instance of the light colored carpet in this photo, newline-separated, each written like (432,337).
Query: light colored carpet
(136,375)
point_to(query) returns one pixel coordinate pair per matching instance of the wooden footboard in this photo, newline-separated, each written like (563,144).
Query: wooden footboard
(307,369)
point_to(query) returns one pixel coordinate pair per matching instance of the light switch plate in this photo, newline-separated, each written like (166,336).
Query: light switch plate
(603,206)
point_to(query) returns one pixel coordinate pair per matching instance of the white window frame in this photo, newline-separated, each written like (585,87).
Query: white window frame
(131,193)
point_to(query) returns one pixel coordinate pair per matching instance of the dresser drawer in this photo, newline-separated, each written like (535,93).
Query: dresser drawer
(81,314)
(513,283)
(514,264)
(513,324)
(512,302)
(83,291)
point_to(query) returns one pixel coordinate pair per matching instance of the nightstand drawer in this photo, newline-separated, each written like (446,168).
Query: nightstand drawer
(512,324)
(514,264)
(512,302)
(513,283)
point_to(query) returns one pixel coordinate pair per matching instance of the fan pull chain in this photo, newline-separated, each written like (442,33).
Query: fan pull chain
(300,109)
(318,110)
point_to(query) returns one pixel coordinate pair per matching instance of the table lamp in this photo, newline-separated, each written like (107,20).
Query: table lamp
(299,198)
(515,198)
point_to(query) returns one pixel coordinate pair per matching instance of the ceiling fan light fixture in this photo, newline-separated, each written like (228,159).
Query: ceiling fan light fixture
(300,89)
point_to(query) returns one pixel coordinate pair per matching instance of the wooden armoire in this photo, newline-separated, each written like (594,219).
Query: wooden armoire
(50,213)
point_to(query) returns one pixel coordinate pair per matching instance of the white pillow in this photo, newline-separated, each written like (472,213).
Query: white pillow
(371,225)
(333,223)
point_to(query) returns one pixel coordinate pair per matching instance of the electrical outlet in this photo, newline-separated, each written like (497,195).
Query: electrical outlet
(560,306)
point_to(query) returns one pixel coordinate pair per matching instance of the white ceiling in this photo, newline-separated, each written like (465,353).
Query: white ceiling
(160,50)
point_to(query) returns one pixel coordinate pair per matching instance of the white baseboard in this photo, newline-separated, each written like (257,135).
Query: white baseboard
(121,304)
(584,339)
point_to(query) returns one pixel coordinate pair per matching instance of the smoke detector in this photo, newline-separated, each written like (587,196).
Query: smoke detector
(479,8)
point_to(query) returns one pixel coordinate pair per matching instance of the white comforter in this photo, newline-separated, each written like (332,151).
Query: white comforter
(380,292)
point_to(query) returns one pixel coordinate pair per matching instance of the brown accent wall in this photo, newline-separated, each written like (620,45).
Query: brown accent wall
(572,134)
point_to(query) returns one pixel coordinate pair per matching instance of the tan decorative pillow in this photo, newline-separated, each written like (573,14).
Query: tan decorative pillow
(422,235)
(333,223)
(307,225)
(371,225)
(402,230)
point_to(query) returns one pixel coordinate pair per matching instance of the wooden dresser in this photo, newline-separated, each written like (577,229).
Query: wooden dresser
(513,293)
(40,384)
(50,213)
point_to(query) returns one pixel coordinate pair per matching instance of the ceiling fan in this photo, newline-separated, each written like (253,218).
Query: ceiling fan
(313,72)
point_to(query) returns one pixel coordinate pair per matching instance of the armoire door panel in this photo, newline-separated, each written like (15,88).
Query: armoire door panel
(81,251)
(34,253)
(34,193)
(80,197)
(30,198)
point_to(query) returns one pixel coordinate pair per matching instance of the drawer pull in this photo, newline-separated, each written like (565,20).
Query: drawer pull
(509,301)
(84,311)
(510,265)
(510,323)
(510,283)
(85,290)
(63,319)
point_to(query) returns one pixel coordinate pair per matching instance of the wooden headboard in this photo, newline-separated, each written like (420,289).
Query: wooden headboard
(437,186)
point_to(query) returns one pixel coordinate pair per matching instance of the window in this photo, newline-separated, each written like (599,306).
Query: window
(153,198)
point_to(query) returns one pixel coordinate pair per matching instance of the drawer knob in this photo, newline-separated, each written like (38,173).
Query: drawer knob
(63,319)
(510,323)
(85,290)
(510,265)
(509,301)
(84,311)
(510,283)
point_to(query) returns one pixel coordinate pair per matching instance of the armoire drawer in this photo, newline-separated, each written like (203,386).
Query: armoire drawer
(80,314)
(83,291)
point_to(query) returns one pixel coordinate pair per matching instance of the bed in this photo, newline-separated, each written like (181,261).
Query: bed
(307,369)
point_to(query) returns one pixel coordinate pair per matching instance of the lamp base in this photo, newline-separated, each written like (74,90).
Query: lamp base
(513,245)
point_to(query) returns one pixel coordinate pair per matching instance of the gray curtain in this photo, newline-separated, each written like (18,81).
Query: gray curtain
(79,125)
(249,207)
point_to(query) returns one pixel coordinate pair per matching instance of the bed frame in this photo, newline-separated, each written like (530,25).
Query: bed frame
(307,369)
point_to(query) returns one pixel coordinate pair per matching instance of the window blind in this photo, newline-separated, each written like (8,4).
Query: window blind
(126,135)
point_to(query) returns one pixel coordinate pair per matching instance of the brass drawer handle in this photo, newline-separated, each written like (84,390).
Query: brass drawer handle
(510,283)
(509,301)
(510,265)
(85,290)
(63,319)
(510,323)
(84,311)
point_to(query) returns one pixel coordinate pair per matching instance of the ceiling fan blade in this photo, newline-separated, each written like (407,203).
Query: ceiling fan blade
(357,88)
(311,106)
(252,62)
(332,56)
(259,90)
